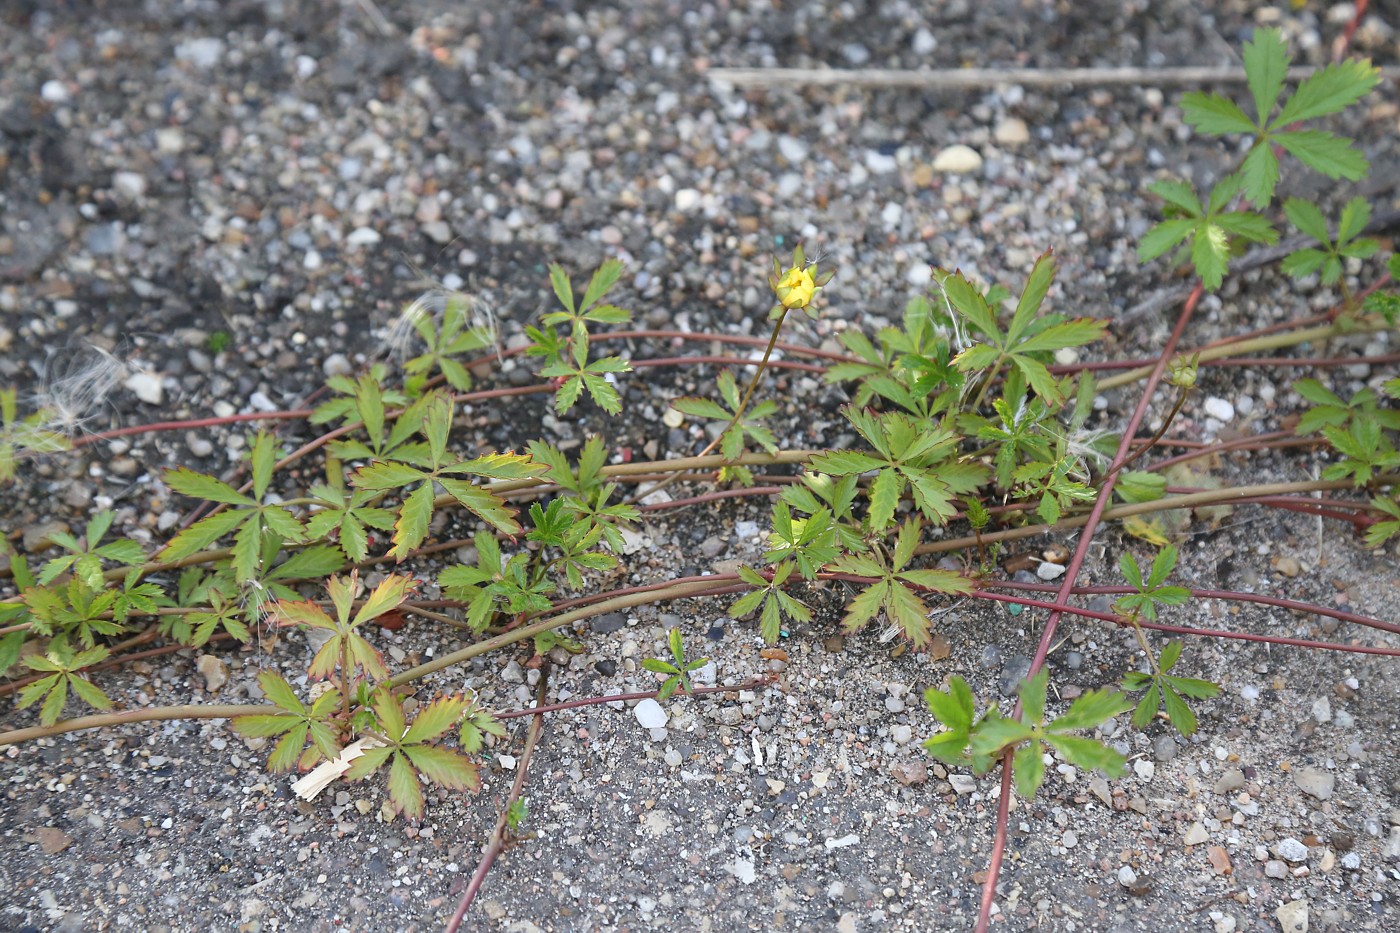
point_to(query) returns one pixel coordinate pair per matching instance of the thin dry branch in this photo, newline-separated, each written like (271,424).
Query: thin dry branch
(977,78)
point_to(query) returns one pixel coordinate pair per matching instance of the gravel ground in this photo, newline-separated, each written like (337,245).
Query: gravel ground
(208,207)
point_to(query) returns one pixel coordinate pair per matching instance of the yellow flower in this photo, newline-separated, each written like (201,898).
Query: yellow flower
(796,285)
(796,288)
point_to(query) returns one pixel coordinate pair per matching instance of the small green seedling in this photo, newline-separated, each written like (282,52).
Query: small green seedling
(679,670)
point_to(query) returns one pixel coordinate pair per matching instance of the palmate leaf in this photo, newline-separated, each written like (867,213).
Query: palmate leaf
(1329,90)
(1215,115)
(1266,66)
(1325,152)
(201,486)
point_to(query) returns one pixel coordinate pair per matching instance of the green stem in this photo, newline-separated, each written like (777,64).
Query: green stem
(1368,325)
(1181,396)
(738,412)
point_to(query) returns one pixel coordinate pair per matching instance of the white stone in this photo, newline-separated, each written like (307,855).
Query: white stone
(1220,409)
(146,386)
(204,52)
(957,160)
(879,163)
(1322,709)
(1292,850)
(1195,835)
(687,200)
(892,214)
(363,236)
(1315,782)
(1293,917)
(55,92)
(924,42)
(1012,132)
(650,714)
(170,140)
(1126,876)
(214,672)
(1144,769)
(792,149)
(129,185)
(1048,571)
(337,364)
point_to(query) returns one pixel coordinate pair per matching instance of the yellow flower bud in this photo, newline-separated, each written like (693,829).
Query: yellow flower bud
(796,288)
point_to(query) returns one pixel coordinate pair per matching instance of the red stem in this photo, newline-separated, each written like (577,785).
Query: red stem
(984,915)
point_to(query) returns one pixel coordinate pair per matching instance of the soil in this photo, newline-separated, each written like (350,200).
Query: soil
(167,195)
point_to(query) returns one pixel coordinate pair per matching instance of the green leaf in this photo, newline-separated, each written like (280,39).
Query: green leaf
(201,535)
(1210,253)
(1028,767)
(884,498)
(1147,706)
(1032,297)
(386,475)
(263,458)
(940,581)
(843,462)
(602,282)
(1090,710)
(995,733)
(1329,90)
(1355,216)
(955,707)
(1178,713)
(412,525)
(388,595)
(1247,226)
(1074,333)
(1032,691)
(701,408)
(1089,754)
(487,506)
(435,719)
(405,790)
(1325,152)
(1306,216)
(559,279)
(1266,66)
(200,486)
(444,767)
(88,692)
(1260,172)
(1214,115)
(658,666)
(1178,194)
(1164,237)
(280,693)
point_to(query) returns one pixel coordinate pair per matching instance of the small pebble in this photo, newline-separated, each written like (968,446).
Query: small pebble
(1315,782)
(650,714)
(1293,917)
(1195,835)
(1220,409)
(1012,132)
(957,160)
(213,670)
(146,386)
(1292,850)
